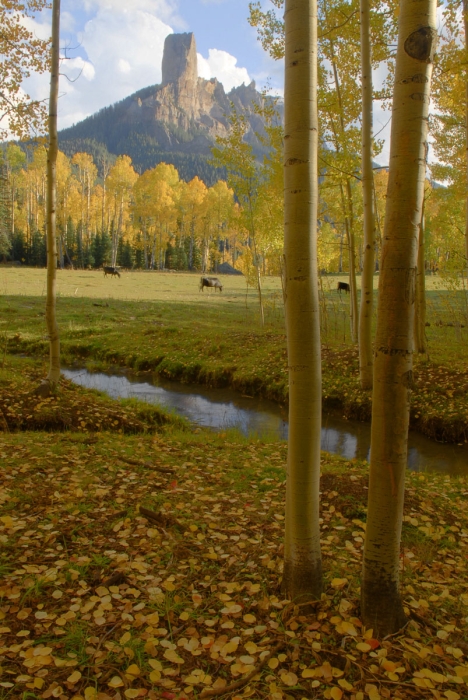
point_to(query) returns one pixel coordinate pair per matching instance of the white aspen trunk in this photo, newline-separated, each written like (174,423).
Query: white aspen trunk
(302,578)
(88,205)
(51,204)
(145,244)
(117,234)
(259,283)
(353,306)
(420,305)
(353,299)
(465,17)
(381,606)
(257,268)
(13,193)
(366,361)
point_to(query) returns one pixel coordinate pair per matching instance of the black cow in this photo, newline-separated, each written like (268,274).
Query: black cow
(110,270)
(343,286)
(210,282)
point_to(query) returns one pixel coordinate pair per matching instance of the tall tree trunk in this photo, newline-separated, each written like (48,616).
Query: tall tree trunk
(381,605)
(353,299)
(367,276)
(256,263)
(353,305)
(420,302)
(51,203)
(302,559)
(465,18)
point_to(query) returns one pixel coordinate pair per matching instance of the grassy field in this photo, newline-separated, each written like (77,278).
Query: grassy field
(161,322)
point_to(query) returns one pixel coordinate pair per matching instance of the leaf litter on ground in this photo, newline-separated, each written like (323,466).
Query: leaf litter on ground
(150,566)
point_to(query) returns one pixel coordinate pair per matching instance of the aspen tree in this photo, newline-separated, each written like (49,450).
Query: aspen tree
(381,605)
(51,203)
(367,276)
(22,54)
(302,558)
(236,155)
(420,303)
(450,120)
(465,25)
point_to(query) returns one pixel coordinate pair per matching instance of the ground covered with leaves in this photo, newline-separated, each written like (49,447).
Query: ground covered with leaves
(70,407)
(149,565)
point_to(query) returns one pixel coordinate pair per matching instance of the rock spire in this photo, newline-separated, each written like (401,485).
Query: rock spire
(179,63)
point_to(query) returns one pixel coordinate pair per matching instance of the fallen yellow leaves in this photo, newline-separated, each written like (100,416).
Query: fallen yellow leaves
(160,621)
(339,583)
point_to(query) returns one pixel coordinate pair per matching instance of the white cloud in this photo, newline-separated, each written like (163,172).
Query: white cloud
(77,67)
(122,48)
(223,66)
(124,66)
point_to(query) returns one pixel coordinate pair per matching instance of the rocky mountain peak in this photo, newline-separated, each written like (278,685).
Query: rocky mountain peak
(176,121)
(179,63)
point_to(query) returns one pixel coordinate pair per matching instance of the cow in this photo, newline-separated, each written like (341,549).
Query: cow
(210,282)
(110,270)
(343,286)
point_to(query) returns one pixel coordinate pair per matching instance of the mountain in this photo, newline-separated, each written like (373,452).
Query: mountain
(175,122)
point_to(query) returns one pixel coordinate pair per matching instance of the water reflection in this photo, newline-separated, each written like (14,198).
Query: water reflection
(223,408)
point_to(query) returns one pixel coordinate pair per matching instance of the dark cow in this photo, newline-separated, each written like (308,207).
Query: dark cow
(110,270)
(210,282)
(343,286)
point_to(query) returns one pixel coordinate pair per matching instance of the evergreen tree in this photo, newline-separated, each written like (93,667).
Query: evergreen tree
(106,247)
(18,247)
(79,247)
(88,257)
(196,257)
(139,253)
(5,245)
(97,251)
(181,258)
(170,257)
(126,257)
(38,257)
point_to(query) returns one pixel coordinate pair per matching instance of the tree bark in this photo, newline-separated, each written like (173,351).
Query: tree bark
(420,307)
(302,559)
(51,204)
(465,22)
(381,605)
(366,363)
(353,299)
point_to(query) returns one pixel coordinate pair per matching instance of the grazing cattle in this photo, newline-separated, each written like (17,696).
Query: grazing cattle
(343,286)
(110,270)
(210,282)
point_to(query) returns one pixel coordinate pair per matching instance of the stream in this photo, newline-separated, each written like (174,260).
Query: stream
(224,408)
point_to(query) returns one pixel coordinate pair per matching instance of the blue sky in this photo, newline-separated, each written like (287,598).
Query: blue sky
(114,47)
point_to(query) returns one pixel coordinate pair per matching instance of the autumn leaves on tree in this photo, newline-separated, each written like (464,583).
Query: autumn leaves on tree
(22,53)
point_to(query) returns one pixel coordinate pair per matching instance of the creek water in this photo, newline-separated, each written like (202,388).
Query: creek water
(224,408)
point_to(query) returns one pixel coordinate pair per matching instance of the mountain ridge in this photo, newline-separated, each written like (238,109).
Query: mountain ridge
(176,121)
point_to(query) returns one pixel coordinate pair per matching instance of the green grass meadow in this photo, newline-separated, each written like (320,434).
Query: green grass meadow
(162,323)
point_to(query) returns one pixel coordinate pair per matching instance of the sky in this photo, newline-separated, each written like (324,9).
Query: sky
(114,48)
